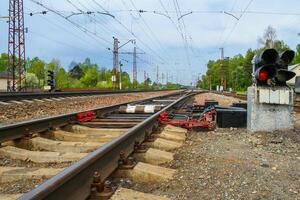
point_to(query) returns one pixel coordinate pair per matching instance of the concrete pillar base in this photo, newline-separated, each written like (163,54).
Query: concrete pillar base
(269,110)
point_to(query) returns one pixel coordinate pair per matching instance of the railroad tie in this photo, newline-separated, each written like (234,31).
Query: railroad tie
(170,135)
(124,193)
(10,196)
(163,144)
(75,137)
(144,172)
(11,174)
(40,143)
(154,156)
(175,129)
(39,156)
(100,131)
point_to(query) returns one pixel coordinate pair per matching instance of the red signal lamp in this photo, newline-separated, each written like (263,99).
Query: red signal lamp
(263,75)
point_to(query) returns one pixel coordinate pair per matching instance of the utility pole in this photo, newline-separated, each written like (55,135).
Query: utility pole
(134,53)
(115,63)
(167,77)
(16,46)
(145,76)
(223,76)
(157,74)
(209,80)
(134,68)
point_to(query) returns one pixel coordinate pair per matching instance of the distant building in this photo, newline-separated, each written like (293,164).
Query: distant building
(3,81)
(295,68)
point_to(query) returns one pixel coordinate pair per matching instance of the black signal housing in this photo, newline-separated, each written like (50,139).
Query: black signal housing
(271,68)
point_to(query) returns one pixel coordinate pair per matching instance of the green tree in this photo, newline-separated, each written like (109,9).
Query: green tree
(54,65)
(62,79)
(76,72)
(31,80)
(297,55)
(125,80)
(3,62)
(37,67)
(90,78)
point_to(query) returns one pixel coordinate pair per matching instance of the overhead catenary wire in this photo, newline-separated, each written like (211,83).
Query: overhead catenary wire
(83,29)
(133,34)
(211,12)
(236,23)
(92,19)
(60,27)
(227,22)
(184,36)
(151,31)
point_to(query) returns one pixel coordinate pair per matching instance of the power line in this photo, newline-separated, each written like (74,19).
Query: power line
(96,18)
(151,31)
(178,13)
(210,12)
(133,34)
(227,22)
(60,27)
(83,29)
(234,26)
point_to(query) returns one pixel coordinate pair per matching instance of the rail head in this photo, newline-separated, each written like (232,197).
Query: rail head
(75,181)
(21,129)
(17,96)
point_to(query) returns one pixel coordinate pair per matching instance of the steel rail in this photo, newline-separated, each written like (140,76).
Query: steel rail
(16,96)
(75,181)
(21,129)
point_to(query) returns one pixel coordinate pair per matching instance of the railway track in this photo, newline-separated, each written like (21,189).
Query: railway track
(21,96)
(73,155)
(244,97)
(297,103)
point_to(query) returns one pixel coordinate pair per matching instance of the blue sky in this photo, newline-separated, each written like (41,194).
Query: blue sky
(206,30)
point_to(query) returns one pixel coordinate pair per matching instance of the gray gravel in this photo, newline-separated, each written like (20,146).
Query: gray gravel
(21,112)
(234,164)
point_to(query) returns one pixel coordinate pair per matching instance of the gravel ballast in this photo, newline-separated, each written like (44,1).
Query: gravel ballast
(234,164)
(21,112)
(223,100)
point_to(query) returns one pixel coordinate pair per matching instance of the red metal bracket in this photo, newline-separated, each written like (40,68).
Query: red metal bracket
(85,116)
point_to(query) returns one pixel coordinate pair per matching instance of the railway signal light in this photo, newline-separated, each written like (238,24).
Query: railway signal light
(271,68)
(51,80)
(265,67)
(283,74)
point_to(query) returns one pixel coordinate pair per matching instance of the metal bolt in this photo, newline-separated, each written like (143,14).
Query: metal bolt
(96,177)
(107,187)
(130,160)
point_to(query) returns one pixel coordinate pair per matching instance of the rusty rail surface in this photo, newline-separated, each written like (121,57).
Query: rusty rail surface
(21,129)
(75,181)
(244,97)
(232,94)
(17,96)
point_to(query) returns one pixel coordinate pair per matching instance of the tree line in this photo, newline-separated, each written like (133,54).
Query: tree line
(79,75)
(238,69)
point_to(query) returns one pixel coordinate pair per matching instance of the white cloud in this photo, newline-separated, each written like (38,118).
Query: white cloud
(205,29)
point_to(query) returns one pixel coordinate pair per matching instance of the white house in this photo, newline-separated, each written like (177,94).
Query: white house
(295,68)
(3,81)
